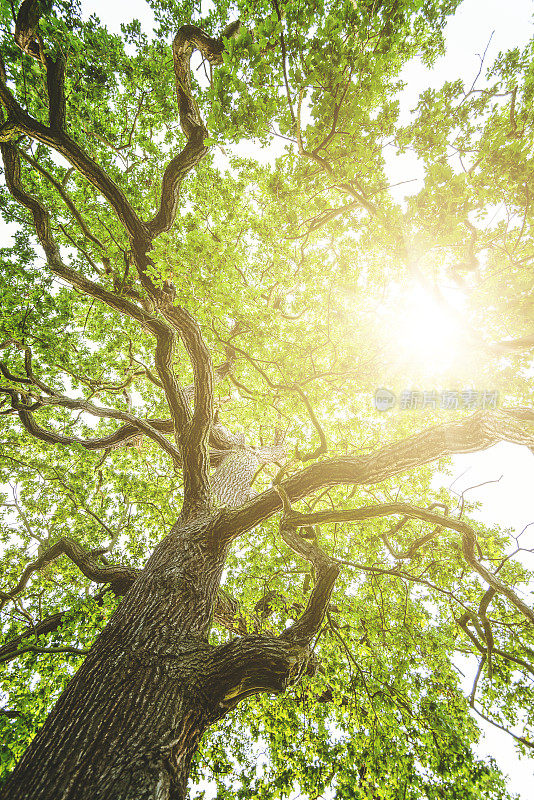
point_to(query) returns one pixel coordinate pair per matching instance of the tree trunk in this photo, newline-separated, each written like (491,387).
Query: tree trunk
(130,720)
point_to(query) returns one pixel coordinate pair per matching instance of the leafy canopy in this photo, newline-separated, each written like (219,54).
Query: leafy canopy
(296,264)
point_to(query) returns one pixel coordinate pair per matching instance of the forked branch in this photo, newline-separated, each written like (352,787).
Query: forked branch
(295,519)
(191,430)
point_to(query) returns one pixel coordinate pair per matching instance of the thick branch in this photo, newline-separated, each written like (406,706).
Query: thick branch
(254,664)
(122,437)
(41,220)
(476,432)
(24,411)
(296,519)
(193,436)
(21,123)
(55,84)
(130,433)
(511,345)
(269,664)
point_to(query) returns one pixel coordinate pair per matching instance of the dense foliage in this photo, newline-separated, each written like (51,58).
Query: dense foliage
(297,265)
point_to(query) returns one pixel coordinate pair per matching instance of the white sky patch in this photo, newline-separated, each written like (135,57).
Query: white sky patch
(113,15)
(477,25)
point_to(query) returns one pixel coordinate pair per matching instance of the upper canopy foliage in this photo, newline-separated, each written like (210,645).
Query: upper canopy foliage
(294,265)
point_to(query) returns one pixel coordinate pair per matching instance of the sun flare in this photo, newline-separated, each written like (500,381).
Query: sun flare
(426,331)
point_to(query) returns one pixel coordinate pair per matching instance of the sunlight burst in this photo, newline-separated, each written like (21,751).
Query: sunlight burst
(427,332)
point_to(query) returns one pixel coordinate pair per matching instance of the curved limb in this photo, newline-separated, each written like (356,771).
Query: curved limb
(116,575)
(256,664)
(296,519)
(186,40)
(326,571)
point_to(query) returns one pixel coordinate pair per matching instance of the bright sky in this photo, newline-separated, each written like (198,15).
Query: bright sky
(507,502)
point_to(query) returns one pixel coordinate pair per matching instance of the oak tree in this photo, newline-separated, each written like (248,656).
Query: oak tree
(220,561)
